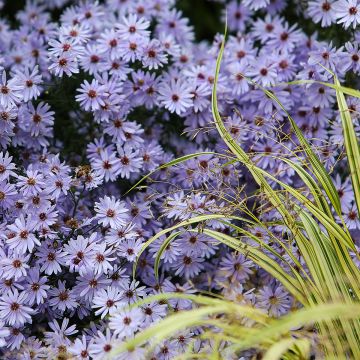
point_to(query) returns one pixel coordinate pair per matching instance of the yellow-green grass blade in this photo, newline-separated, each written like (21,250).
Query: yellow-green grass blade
(351,143)
(276,351)
(264,261)
(174,162)
(163,247)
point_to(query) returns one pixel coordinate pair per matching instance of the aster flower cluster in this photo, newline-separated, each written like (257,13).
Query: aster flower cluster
(91,103)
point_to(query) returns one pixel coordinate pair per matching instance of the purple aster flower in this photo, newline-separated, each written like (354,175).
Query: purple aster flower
(23,238)
(132,28)
(32,183)
(36,287)
(274,299)
(91,60)
(351,58)
(176,96)
(107,165)
(154,56)
(91,95)
(322,11)
(79,253)
(285,38)
(108,45)
(132,292)
(102,259)
(344,189)
(132,49)
(347,12)
(130,162)
(264,28)
(237,15)
(237,78)
(80,348)
(6,166)
(30,83)
(15,266)
(13,309)
(130,249)
(8,195)
(50,259)
(62,298)
(188,265)
(236,267)
(326,55)
(106,301)
(263,71)
(4,332)
(256,4)
(154,312)
(36,121)
(65,63)
(351,216)
(60,331)
(102,344)
(126,322)
(10,91)
(111,212)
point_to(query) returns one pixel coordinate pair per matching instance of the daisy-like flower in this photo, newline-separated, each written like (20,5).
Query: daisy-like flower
(4,332)
(8,195)
(130,162)
(351,58)
(10,91)
(351,217)
(60,332)
(175,96)
(274,299)
(111,212)
(154,56)
(30,82)
(188,265)
(32,183)
(132,28)
(80,349)
(89,284)
(13,309)
(36,120)
(130,249)
(23,239)
(263,72)
(6,166)
(65,63)
(322,11)
(256,4)
(15,266)
(79,253)
(236,267)
(101,344)
(126,322)
(154,312)
(347,13)
(108,44)
(237,78)
(50,259)
(91,96)
(107,165)
(106,301)
(36,287)
(102,259)
(91,60)
(62,298)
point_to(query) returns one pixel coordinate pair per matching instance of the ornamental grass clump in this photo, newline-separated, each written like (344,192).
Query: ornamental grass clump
(169,192)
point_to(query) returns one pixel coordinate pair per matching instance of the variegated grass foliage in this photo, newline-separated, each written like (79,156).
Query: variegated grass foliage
(325,286)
